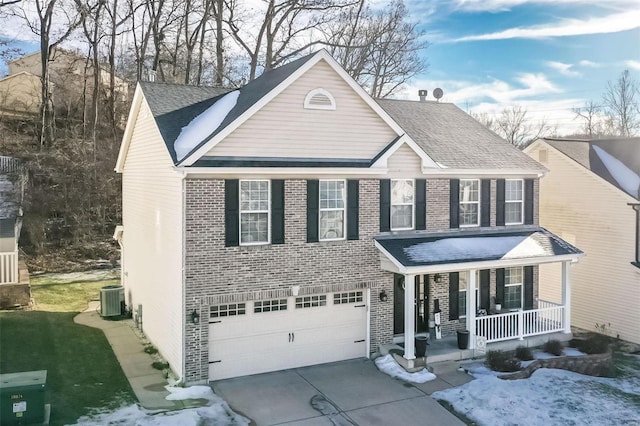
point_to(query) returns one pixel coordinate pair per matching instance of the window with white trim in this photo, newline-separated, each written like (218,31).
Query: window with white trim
(311,301)
(462,296)
(513,278)
(332,210)
(254,212)
(402,204)
(469,202)
(319,99)
(347,297)
(513,201)
(228,310)
(269,305)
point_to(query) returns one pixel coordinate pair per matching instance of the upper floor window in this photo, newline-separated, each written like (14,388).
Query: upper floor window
(254,212)
(332,209)
(469,202)
(402,204)
(513,279)
(319,99)
(513,201)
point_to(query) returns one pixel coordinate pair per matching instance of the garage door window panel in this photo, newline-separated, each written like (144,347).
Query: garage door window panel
(311,301)
(228,310)
(270,305)
(347,297)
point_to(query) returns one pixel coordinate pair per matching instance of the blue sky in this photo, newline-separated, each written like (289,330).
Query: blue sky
(544,55)
(547,56)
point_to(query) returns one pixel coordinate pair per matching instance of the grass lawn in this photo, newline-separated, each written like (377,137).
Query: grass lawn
(83,372)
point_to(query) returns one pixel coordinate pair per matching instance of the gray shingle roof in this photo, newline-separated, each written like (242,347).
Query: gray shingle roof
(454,139)
(625,150)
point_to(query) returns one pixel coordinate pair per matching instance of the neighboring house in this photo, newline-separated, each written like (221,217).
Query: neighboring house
(20,90)
(274,226)
(591,197)
(14,284)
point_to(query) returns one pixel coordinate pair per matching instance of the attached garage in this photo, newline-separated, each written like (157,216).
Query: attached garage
(269,335)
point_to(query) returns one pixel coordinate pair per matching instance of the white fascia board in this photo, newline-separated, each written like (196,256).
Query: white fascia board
(490,264)
(321,54)
(400,268)
(128,131)
(427,162)
(279,171)
(451,173)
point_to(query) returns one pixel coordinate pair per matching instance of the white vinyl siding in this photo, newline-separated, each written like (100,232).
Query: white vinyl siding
(255,205)
(513,201)
(604,284)
(513,279)
(284,128)
(469,202)
(404,163)
(402,204)
(332,210)
(152,238)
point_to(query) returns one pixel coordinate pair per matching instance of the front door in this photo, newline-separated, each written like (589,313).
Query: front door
(421,303)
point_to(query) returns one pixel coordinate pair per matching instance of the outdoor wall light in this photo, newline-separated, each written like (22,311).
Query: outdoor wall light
(437,278)
(195,317)
(383,296)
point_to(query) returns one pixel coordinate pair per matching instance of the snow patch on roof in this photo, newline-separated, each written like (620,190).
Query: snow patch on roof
(452,249)
(204,125)
(627,179)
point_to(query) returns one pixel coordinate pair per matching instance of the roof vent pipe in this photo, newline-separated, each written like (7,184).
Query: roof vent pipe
(423,95)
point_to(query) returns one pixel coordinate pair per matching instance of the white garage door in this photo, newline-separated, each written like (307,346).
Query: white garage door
(270,335)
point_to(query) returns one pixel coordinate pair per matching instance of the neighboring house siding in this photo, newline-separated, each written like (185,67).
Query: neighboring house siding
(286,129)
(20,93)
(591,213)
(152,239)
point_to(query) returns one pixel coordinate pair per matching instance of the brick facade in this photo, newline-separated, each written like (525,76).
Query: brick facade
(217,274)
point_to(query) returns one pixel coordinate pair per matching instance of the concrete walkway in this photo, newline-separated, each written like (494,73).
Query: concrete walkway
(147,382)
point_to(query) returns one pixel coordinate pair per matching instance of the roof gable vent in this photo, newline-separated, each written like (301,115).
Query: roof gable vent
(319,99)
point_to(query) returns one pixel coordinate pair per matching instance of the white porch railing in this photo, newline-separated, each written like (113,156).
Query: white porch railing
(9,164)
(521,324)
(9,267)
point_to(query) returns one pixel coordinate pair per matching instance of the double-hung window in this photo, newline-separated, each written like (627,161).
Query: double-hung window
(254,212)
(513,201)
(513,279)
(402,204)
(469,202)
(332,209)
(462,296)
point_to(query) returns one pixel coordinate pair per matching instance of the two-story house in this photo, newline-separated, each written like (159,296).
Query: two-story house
(277,225)
(591,197)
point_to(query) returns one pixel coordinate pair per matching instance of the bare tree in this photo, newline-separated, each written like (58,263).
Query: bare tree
(4,3)
(594,121)
(622,103)
(381,50)
(515,127)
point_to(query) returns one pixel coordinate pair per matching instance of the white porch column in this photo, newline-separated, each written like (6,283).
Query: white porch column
(566,295)
(471,307)
(409,316)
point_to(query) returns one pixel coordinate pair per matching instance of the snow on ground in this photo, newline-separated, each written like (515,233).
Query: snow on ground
(216,413)
(389,366)
(93,275)
(204,124)
(550,397)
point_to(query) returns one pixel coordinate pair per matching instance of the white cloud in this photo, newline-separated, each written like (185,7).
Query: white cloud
(563,68)
(505,5)
(567,27)
(633,64)
(587,63)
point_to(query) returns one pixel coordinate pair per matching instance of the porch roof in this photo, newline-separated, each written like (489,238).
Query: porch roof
(430,253)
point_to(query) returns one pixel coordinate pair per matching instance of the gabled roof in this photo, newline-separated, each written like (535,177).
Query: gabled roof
(614,160)
(455,139)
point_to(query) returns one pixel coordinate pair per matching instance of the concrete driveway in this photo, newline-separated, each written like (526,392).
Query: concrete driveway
(340,393)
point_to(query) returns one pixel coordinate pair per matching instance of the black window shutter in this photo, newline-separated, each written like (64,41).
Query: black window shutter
(500,202)
(277,211)
(484,289)
(313,200)
(500,285)
(454,203)
(353,203)
(485,200)
(421,204)
(528,201)
(528,287)
(385,205)
(453,296)
(231,212)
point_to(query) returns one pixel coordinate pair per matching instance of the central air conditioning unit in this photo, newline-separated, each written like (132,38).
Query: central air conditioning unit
(111,298)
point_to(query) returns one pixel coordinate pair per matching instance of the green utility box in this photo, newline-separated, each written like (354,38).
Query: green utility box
(22,398)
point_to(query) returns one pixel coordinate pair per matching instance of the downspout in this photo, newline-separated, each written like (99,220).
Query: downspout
(636,207)
(183,373)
